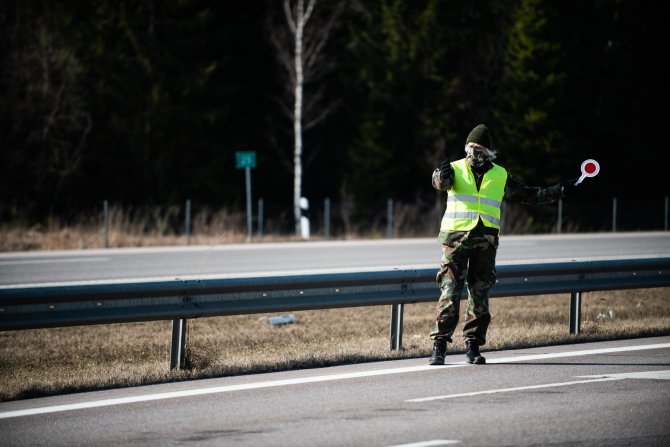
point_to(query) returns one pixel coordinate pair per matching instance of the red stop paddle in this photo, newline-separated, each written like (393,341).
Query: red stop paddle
(590,168)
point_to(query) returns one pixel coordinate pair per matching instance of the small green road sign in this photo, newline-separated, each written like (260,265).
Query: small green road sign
(245,159)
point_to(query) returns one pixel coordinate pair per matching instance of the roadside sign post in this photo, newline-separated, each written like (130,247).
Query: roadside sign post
(247,160)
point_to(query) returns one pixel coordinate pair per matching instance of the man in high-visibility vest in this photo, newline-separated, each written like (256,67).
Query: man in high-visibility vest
(469,235)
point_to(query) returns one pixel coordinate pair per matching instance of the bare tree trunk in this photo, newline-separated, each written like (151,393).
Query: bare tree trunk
(298,26)
(299,51)
(297,117)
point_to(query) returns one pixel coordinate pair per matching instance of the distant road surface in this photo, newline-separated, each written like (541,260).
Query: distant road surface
(281,257)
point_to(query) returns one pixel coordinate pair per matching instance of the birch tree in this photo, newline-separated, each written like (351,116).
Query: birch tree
(300,49)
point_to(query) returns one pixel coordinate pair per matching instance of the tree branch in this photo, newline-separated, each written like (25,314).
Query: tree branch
(289,15)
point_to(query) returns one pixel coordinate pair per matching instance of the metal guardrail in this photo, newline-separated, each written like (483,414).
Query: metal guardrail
(23,307)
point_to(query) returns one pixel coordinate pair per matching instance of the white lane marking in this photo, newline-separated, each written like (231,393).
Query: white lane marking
(433,443)
(556,355)
(303,380)
(658,375)
(226,246)
(506,390)
(653,375)
(50,261)
(202,277)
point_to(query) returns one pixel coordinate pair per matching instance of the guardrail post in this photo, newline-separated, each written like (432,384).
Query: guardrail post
(260,219)
(326,218)
(105,223)
(187,221)
(389,218)
(396,326)
(178,349)
(249,217)
(575,312)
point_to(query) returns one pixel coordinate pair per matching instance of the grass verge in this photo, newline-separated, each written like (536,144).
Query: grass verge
(42,362)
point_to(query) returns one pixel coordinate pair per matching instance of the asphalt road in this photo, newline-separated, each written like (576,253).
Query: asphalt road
(613,393)
(235,259)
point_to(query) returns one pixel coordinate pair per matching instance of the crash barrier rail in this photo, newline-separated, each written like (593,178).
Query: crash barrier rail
(73,304)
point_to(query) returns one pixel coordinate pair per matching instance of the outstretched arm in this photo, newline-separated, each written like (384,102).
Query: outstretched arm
(517,191)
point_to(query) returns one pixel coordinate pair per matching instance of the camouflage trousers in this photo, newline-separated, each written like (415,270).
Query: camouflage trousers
(472,259)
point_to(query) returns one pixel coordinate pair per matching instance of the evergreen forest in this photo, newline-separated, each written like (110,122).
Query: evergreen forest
(147,102)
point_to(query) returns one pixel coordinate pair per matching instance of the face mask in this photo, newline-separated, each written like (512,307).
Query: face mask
(477,156)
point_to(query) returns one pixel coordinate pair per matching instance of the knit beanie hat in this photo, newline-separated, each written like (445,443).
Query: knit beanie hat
(480,135)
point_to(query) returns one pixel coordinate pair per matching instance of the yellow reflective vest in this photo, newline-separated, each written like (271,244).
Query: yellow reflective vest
(466,205)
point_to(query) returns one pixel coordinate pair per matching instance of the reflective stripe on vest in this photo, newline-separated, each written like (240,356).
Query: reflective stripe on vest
(466,205)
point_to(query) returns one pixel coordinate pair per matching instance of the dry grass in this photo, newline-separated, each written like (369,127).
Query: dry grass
(133,228)
(74,359)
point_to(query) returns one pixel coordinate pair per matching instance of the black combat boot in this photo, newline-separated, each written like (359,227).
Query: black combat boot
(472,354)
(439,351)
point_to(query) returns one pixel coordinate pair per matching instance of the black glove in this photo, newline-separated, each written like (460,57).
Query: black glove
(446,171)
(570,186)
